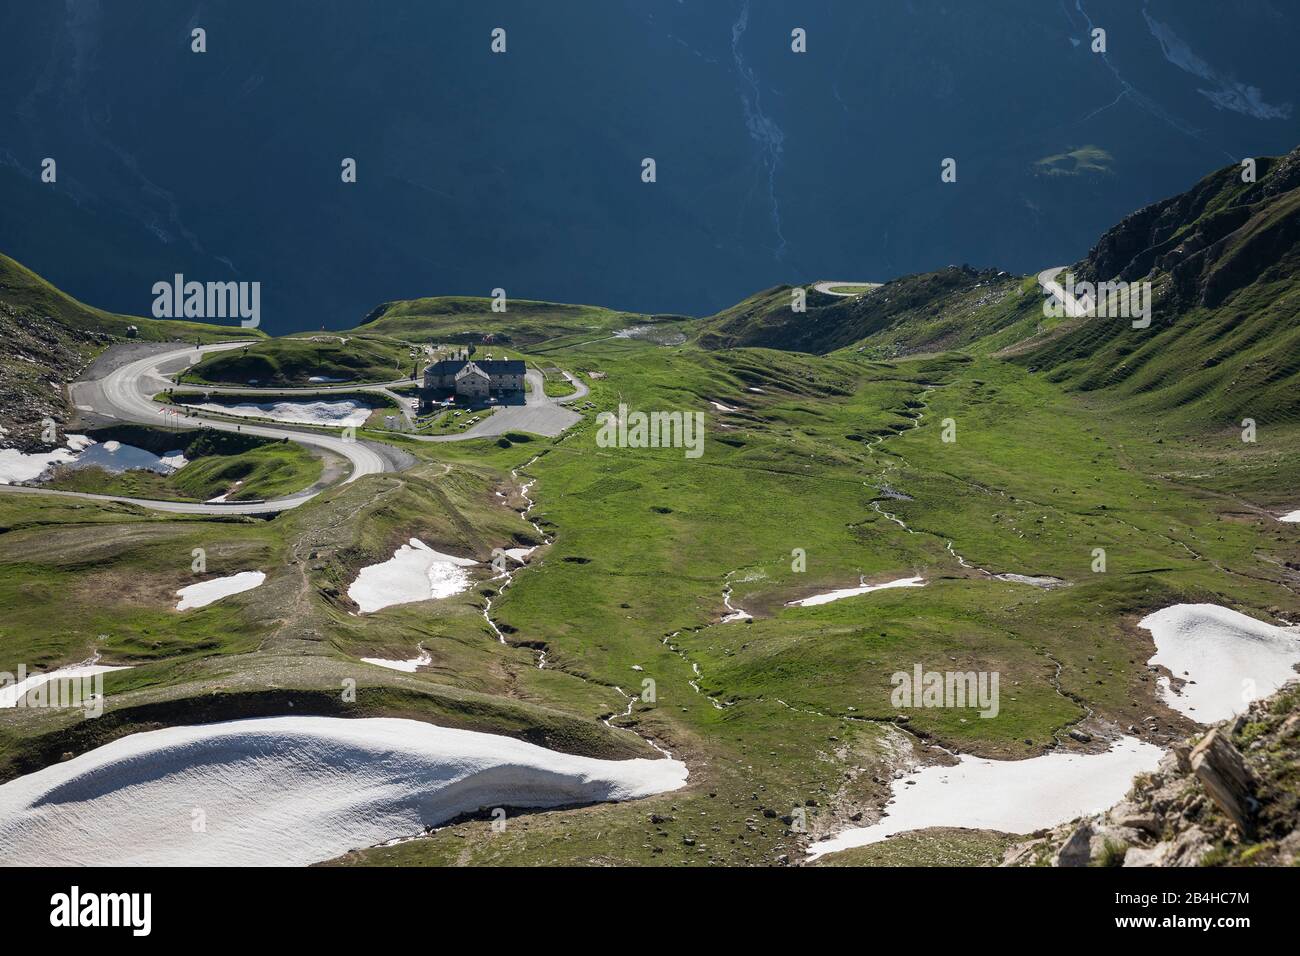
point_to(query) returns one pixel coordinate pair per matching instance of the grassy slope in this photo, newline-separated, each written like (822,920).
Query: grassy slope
(951,308)
(292,361)
(390,346)
(25,290)
(791,708)
(525,322)
(1224,342)
(932,847)
(269,471)
(295,633)
(645,540)
(789,711)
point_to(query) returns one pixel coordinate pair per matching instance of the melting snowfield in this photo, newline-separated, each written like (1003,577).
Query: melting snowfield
(1291,518)
(83,452)
(863,588)
(11,694)
(290,791)
(115,457)
(205,592)
(16,466)
(407,666)
(1014,796)
(414,573)
(342,412)
(1227,660)
(1231,658)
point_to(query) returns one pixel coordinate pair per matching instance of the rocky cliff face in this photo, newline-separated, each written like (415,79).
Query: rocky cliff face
(40,357)
(1228,797)
(1219,236)
(1223,338)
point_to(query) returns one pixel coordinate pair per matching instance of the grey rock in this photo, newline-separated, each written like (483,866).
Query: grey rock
(1077,849)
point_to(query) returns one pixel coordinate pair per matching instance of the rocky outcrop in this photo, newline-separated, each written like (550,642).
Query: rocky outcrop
(1219,236)
(1220,769)
(1229,797)
(1223,263)
(41,355)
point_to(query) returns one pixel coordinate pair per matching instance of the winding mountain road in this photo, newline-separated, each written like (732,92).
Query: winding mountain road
(828,288)
(125,394)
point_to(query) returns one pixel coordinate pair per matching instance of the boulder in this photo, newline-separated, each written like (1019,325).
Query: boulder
(1077,849)
(1131,816)
(1148,856)
(1219,767)
(1189,847)
(1022,854)
(1121,838)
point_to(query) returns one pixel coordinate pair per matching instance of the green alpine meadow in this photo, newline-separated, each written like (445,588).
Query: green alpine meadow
(955,572)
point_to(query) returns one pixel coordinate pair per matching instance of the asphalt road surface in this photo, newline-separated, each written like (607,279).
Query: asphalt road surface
(124,394)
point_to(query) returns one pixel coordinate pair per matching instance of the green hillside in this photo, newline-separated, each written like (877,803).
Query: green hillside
(1224,343)
(392,339)
(241,467)
(938,427)
(297,360)
(524,323)
(954,308)
(1223,259)
(24,293)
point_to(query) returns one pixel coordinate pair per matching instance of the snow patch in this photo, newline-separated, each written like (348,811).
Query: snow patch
(1232,659)
(415,572)
(1046,582)
(1230,94)
(11,694)
(205,592)
(422,659)
(863,588)
(16,466)
(734,613)
(342,412)
(284,791)
(1013,796)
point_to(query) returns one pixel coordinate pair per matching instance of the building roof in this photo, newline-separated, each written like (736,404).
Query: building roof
(471,368)
(502,366)
(491,366)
